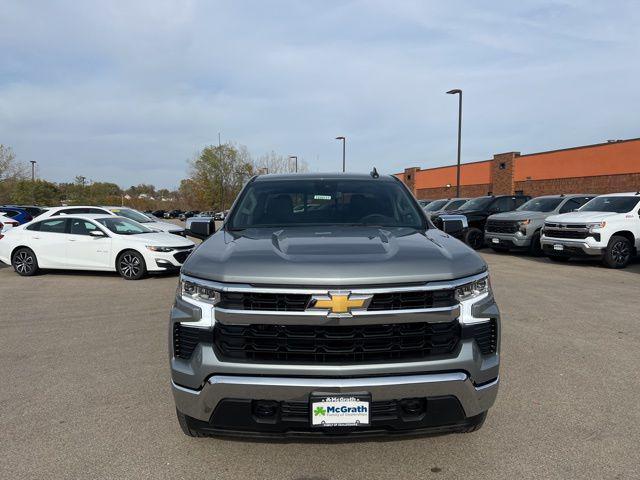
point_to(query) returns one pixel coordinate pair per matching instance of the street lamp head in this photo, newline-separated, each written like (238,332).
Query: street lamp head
(340,138)
(454,91)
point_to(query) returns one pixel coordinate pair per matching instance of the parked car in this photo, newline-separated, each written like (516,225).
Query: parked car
(476,212)
(32,210)
(152,223)
(6,223)
(189,214)
(607,227)
(92,242)
(173,213)
(424,203)
(443,205)
(158,213)
(287,317)
(19,215)
(220,215)
(123,211)
(520,229)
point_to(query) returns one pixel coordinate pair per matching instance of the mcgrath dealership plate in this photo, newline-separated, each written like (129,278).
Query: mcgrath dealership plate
(342,410)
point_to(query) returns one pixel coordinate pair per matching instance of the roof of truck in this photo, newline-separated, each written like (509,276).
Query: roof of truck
(323,176)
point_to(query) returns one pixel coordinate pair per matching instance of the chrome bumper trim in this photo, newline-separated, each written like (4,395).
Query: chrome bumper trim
(201,403)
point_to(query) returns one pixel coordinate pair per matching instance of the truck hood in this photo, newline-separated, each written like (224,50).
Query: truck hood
(582,217)
(332,256)
(519,215)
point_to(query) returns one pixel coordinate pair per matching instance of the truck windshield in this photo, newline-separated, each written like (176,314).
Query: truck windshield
(313,202)
(611,204)
(435,205)
(541,204)
(479,203)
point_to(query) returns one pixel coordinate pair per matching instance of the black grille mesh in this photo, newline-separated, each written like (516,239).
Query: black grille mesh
(485,334)
(335,344)
(501,226)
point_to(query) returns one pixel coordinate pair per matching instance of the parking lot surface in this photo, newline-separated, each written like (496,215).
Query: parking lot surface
(84,387)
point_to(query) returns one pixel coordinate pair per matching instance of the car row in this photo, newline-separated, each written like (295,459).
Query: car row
(559,226)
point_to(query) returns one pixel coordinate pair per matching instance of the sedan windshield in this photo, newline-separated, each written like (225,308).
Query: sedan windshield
(547,204)
(123,226)
(132,215)
(313,202)
(476,204)
(611,204)
(435,205)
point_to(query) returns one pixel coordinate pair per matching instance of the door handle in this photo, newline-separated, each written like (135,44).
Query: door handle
(72,239)
(36,238)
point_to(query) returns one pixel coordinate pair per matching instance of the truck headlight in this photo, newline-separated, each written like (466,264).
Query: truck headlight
(154,248)
(522,225)
(473,289)
(595,226)
(199,292)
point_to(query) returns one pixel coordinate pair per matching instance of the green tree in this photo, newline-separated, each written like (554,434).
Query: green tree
(39,192)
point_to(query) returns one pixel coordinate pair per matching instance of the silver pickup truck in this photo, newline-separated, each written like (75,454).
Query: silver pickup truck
(328,304)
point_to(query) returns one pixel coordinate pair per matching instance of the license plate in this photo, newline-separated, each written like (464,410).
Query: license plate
(340,410)
(495,240)
(558,247)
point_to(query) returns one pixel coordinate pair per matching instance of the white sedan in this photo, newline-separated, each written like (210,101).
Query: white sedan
(92,242)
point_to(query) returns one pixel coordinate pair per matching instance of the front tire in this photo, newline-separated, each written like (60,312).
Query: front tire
(618,252)
(24,262)
(535,249)
(474,238)
(130,265)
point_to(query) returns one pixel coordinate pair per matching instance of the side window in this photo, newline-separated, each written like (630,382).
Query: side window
(503,204)
(521,201)
(95,210)
(34,227)
(81,227)
(58,225)
(582,200)
(570,205)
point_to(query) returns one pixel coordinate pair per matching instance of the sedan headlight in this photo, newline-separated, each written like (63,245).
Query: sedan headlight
(473,289)
(595,226)
(199,292)
(153,248)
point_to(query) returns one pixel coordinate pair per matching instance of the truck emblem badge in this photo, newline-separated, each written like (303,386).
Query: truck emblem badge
(340,303)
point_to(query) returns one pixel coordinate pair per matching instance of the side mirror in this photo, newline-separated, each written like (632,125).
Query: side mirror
(201,227)
(453,224)
(97,233)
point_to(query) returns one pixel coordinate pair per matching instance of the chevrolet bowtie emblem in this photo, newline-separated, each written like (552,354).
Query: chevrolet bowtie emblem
(340,302)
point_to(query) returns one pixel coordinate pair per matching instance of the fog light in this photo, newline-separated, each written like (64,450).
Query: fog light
(413,406)
(265,408)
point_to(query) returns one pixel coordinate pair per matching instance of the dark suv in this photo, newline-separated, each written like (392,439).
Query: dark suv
(476,212)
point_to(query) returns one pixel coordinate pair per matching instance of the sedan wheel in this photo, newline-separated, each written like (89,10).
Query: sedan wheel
(131,266)
(24,262)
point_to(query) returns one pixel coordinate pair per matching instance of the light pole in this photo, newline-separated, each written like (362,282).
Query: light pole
(343,152)
(33,170)
(459,92)
(294,157)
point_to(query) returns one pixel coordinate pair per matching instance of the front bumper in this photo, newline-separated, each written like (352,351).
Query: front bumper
(582,247)
(165,261)
(507,240)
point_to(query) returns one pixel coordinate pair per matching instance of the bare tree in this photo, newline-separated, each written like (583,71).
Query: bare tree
(274,163)
(10,169)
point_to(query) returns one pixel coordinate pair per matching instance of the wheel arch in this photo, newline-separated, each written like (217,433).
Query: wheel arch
(628,235)
(15,249)
(123,250)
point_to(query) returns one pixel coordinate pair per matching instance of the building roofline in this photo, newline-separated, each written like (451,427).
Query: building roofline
(603,144)
(446,166)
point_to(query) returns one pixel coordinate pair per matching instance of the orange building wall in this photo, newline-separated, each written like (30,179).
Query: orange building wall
(608,159)
(470,174)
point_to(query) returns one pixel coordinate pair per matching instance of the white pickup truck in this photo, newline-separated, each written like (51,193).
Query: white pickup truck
(607,227)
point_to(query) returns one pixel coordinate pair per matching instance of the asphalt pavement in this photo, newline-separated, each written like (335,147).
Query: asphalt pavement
(84,387)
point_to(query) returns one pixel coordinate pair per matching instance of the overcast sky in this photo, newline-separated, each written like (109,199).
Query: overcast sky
(128,91)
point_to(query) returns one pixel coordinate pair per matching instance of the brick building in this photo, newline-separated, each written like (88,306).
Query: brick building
(601,168)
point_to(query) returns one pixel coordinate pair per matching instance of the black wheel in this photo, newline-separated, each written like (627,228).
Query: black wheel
(184,426)
(474,238)
(618,252)
(535,248)
(24,262)
(558,258)
(474,423)
(130,265)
